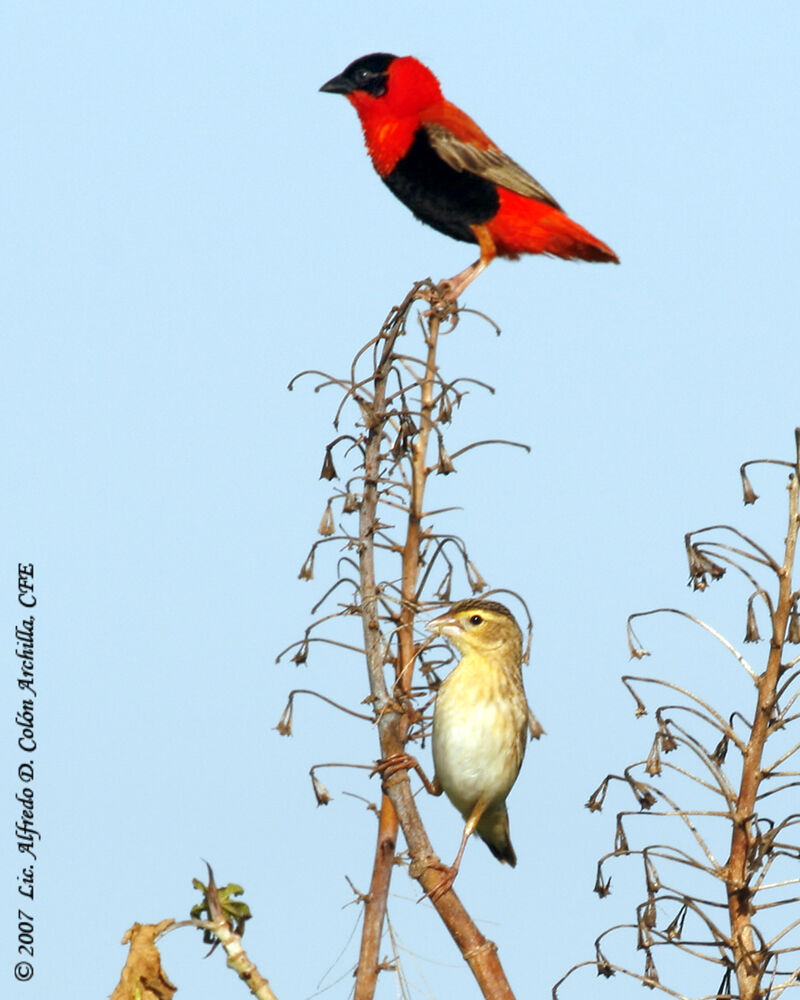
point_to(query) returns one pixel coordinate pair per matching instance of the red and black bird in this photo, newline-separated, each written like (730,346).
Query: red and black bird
(450,174)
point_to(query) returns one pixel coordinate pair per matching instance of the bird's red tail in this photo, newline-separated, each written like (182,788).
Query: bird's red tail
(526,226)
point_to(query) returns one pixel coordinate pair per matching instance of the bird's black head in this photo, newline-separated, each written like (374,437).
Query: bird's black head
(369,73)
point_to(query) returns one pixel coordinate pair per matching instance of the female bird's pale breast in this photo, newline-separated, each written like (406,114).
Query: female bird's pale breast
(479,728)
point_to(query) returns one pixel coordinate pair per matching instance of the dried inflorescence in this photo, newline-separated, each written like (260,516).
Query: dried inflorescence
(723,888)
(401,402)
(394,562)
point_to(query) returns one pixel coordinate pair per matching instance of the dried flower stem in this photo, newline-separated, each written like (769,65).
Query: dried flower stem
(394,709)
(748,957)
(759,880)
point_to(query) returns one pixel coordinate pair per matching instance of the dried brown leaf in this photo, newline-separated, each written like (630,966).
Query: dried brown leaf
(142,977)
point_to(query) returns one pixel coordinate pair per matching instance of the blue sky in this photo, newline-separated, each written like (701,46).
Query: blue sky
(188,223)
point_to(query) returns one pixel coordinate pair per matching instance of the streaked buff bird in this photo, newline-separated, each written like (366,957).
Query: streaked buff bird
(480,723)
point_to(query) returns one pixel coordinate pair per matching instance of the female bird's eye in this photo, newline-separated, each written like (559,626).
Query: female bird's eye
(475,620)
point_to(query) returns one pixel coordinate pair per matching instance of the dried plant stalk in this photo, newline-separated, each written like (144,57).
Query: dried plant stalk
(750,930)
(404,405)
(395,711)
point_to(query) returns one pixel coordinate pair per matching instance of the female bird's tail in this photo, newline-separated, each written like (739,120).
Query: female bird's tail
(493,831)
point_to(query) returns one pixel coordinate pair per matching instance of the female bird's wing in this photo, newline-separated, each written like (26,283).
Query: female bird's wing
(478,155)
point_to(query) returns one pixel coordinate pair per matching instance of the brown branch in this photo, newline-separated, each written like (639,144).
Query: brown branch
(763,854)
(375,903)
(395,709)
(750,959)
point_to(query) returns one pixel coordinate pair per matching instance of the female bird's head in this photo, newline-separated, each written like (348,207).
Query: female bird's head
(480,626)
(383,84)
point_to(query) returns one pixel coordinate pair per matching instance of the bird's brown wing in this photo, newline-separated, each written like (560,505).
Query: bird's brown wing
(490,163)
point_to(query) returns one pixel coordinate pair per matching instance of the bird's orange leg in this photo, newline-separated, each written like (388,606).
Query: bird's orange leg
(404,762)
(449,873)
(453,287)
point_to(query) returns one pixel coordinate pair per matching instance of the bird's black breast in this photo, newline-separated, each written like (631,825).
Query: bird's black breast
(447,199)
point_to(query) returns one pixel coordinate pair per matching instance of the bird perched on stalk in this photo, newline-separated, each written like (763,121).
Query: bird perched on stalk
(450,174)
(480,722)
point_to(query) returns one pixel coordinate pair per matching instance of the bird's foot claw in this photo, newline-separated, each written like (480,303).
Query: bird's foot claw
(447,291)
(444,305)
(444,885)
(395,762)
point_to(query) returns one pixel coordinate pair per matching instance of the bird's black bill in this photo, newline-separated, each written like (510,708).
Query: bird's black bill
(369,73)
(337,85)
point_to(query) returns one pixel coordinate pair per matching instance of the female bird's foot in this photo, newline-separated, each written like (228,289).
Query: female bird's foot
(449,873)
(393,763)
(396,762)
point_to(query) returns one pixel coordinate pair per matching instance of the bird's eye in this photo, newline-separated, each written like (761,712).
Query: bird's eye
(475,620)
(371,79)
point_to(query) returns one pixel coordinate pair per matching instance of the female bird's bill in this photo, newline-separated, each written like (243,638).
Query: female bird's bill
(466,616)
(451,175)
